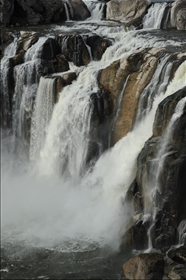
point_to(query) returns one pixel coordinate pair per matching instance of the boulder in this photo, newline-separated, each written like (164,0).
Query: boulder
(127,11)
(61,81)
(27,40)
(178,14)
(175,263)
(74,49)
(80,10)
(144,266)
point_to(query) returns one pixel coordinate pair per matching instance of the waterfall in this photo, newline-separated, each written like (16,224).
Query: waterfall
(5,73)
(62,203)
(157,85)
(96,9)
(66,5)
(182,232)
(41,116)
(67,138)
(154,16)
(26,78)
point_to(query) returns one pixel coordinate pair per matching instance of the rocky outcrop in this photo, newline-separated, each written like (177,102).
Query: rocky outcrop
(32,12)
(79,10)
(144,266)
(171,190)
(6,10)
(127,11)
(178,15)
(125,81)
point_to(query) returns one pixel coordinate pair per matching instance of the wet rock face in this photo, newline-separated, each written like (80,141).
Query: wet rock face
(127,11)
(172,175)
(144,266)
(178,14)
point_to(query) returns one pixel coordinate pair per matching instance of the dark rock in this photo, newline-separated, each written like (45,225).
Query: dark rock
(136,236)
(6,10)
(175,263)
(80,10)
(18,59)
(98,46)
(169,199)
(50,49)
(144,266)
(75,49)
(100,121)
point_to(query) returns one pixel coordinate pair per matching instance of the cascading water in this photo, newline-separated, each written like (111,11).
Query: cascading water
(26,78)
(154,16)
(58,203)
(96,9)
(9,52)
(41,115)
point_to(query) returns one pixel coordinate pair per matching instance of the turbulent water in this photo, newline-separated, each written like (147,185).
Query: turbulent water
(61,219)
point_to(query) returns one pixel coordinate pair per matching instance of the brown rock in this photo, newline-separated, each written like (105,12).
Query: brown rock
(127,11)
(144,266)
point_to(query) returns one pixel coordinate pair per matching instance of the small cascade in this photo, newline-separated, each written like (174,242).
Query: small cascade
(41,116)
(153,18)
(96,9)
(26,78)
(156,167)
(118,108)
(182,232)
(67,9)
(5,73)
(156,86)
(67,140)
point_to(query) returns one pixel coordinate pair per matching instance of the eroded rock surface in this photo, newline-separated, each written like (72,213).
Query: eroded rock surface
(178,14)
(127,11)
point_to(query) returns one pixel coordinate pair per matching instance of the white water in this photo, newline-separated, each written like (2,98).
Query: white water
(154,16)
(96,9)
(182,232)
(41,208)
(41,116)
(9,52)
